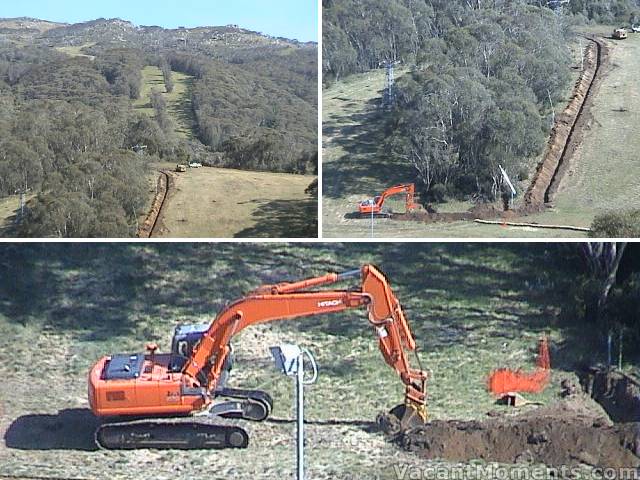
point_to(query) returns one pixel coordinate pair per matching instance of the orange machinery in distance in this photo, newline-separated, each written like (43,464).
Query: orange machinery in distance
(189,383)
(374,205)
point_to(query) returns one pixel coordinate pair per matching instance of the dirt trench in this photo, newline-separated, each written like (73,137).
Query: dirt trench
(617,392)
(567,131)
(570,432)
(153,223)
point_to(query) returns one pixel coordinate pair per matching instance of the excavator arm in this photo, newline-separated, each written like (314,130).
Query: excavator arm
(295,300)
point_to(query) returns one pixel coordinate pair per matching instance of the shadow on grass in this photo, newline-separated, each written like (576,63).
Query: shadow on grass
(284,218)
(367,425)
(70,429)
(363,159)
(9,228)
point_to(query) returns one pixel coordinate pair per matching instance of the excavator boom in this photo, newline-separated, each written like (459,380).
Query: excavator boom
(192,378)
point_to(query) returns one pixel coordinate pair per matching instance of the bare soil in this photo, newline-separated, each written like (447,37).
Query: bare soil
(567,433)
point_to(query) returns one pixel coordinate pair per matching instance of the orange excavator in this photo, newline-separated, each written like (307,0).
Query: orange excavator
(180,399)
(373,206)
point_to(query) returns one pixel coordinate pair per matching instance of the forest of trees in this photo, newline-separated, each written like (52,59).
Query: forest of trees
(68,129)
(482,78)
(66,132)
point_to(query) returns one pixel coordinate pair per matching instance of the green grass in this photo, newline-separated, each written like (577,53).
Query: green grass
(601,178)
(178,101)
(472,307)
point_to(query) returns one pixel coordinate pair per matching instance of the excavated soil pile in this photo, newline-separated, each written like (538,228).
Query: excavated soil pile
(478,211)
(617,392)
(568,433)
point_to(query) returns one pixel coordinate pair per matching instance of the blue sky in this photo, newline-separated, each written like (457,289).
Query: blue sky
(284,18)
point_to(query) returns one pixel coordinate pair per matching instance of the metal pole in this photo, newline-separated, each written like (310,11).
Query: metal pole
(300,410)
(620,350)
(372,220)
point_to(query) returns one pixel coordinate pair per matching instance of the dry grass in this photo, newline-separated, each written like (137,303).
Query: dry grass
(77,51)
(223,202)
(472,308)
(605,169)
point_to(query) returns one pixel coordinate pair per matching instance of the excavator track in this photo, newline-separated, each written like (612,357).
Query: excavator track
(172,434)
(191,433)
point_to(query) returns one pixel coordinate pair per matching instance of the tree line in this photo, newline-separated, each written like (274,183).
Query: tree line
(254,115)
(66,135)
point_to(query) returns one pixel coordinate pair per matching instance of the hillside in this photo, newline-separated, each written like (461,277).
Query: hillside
(220,96)
(470,108)
(472,308)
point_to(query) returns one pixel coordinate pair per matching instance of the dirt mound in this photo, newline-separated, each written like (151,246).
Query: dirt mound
(566,132)
(567,433)
(485,211)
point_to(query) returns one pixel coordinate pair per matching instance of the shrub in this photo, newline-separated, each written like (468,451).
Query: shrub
(614,224)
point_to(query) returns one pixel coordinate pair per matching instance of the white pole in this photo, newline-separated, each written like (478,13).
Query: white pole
(300,412)
(372,220)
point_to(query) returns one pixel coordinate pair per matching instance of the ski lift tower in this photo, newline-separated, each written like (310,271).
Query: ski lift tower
(23,194)
(557,5)
(389,94)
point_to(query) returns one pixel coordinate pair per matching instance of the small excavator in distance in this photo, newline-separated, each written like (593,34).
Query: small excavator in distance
(373,206)
(180,399)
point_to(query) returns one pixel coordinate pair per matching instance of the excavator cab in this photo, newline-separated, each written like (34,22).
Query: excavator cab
(370,205)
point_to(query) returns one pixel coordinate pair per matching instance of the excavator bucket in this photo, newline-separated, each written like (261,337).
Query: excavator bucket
(401,418)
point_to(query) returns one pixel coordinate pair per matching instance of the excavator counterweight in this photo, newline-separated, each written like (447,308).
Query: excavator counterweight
(180,399)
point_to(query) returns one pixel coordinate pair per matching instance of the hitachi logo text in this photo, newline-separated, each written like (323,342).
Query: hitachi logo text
(330,303)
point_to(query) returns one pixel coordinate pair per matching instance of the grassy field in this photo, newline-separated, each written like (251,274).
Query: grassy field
(178,101)
(355,168)
(473,307)
(223,202)
(76,51)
